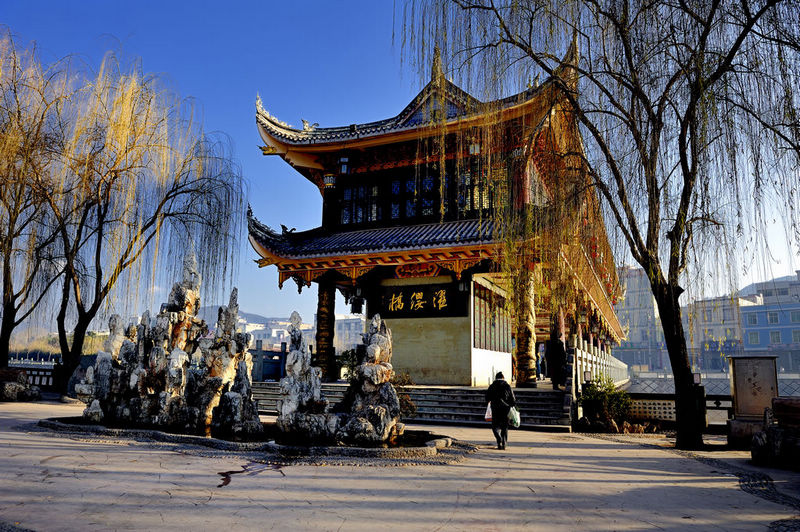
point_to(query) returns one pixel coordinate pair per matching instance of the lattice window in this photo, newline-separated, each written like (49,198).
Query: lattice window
(428,195)
(411,202)
(473,192)
(411,208)
(427,206)
(395,199)
(360,206)
(491,320)
(465,188)
(347,198)
(374,209)
(653,409)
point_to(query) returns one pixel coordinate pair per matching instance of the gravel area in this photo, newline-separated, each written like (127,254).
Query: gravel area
(440,450)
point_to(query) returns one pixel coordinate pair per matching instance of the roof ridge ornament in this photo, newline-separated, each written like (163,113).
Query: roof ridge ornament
(261,111)
(260,104)
(568,69)
(269,150)
(436,65)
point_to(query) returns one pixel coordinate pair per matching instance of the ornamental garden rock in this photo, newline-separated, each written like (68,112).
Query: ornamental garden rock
(171,372)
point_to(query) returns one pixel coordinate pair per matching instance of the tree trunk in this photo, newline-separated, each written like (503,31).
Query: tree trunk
(6,327)
(525,334)
(60,374)
(71,357)
(525,359)
(688,415)
(9,310)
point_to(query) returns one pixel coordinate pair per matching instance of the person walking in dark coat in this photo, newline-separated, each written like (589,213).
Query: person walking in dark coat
(556,357)
(502,399)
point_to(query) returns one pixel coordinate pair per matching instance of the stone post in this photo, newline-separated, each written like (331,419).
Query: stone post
(325,355)
(754,383)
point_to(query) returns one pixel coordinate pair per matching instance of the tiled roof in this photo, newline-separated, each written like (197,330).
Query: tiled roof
(458,103)
(319,243)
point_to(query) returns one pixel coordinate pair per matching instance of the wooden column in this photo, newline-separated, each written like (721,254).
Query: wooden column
(325,355)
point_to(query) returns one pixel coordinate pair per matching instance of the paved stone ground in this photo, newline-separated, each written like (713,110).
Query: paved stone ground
(543,481)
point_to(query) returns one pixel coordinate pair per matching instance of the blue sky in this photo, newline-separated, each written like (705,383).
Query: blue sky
(323,61)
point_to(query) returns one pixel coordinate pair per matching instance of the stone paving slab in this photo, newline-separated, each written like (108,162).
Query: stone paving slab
(543,481)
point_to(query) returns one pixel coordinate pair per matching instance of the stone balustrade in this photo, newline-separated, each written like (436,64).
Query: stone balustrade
(596,361)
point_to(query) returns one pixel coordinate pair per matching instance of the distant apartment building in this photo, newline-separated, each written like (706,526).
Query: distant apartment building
(276,332)
(713,329)
(773,327)
(270,336)
(644,348)
(347,331)
(781,290)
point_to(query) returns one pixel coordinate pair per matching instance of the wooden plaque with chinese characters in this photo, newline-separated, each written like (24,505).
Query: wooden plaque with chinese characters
(424,301)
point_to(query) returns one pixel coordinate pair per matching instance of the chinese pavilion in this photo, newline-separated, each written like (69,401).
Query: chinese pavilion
(410,233)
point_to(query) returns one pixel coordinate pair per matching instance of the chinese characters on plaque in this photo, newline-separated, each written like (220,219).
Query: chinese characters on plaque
(422,301)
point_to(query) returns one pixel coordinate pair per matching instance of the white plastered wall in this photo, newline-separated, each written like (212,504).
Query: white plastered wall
(485,363)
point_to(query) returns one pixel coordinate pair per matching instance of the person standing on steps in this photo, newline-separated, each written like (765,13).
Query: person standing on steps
(556,357)
(502,399)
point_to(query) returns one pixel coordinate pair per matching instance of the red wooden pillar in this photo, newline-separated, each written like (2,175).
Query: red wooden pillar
(325,354)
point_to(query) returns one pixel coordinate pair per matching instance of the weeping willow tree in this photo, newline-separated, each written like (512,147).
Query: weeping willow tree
(514,168)
(136,185)
(688,113)
(29,96)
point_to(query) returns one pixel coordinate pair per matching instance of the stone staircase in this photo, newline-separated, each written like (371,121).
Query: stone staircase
(540,408)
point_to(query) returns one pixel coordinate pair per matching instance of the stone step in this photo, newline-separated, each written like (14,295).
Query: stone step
(476,395)
(448,414)
(540,409)
(427,399)
(522,402)
(482,406)
(423,389)
(477,420)
(270,406)
(539,427)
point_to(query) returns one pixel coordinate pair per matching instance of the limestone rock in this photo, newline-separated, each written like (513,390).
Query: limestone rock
(11,391)
(778,444)
(14,386)
(14,375)
(370,410)
(116,335)
(371,400)
(170,371)
(301,390)
(93,412)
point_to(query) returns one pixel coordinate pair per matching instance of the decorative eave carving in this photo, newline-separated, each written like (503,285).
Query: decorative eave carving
(352,267)
(594,296)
